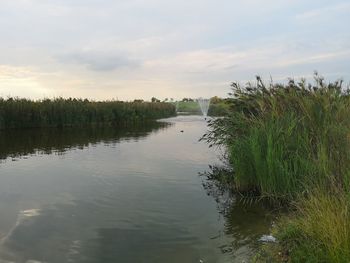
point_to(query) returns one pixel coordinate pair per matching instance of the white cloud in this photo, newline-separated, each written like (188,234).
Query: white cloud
(140,48)
(20,81)
(327,11)
(98,61)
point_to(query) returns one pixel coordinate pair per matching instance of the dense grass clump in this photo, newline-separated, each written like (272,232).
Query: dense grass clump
(24,113)
(319,231)
(283,140)
(292,142)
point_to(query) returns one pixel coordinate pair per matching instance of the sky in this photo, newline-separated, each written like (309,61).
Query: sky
(137,49)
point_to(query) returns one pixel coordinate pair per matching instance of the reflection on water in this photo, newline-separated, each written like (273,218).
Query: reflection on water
(118,195)
(15,143)
(246,220)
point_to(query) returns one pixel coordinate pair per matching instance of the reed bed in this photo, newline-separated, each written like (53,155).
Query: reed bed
(59,112)
(291,143)
(285,139)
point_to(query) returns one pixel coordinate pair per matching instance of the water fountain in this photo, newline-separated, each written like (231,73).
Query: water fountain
(204,105)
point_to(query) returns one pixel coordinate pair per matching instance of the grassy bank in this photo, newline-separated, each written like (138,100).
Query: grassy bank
(190,107)
(217,107)
(24,113)
(317,231)
(285,141)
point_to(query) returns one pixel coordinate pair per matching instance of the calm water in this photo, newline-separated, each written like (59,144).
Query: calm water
(125,195)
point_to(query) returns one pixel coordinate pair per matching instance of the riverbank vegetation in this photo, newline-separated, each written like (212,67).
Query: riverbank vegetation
(59,112)
(217,107)
(291,143)
(189,107)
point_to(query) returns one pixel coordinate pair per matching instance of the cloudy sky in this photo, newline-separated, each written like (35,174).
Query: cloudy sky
(126,49)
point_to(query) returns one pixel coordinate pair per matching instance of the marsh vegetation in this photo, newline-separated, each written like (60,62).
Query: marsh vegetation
(60,112)
(289,143)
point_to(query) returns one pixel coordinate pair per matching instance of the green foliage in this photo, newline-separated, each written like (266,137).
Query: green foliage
(187,100)
(285,139)
(154,99)
(24,113)
(320,229)
(191,107)
(217,107)
(283,142)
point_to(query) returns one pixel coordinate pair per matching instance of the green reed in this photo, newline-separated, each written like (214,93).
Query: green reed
(283,139)
(59,112)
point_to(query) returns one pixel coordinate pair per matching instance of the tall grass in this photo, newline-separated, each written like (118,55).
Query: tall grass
(320,229)
(59,112)
(292,142)
(283,140)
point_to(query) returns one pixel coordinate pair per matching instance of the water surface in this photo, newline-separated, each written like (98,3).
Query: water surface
(109,194)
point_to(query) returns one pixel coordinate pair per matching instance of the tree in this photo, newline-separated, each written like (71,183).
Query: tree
(154,99)
(216,100)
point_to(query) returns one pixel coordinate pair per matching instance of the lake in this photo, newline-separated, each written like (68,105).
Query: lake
(132,194)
